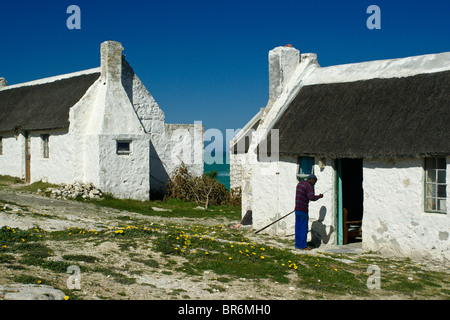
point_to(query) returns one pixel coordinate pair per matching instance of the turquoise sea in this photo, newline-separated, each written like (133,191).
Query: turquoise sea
(223,168)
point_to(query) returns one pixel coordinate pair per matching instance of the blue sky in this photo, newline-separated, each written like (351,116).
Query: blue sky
(207,60)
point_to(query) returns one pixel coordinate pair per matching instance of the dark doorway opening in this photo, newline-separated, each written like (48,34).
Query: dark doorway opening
(352,199)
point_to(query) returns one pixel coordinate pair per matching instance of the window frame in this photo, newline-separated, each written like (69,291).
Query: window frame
(121,151)
(435,185)
(45,145)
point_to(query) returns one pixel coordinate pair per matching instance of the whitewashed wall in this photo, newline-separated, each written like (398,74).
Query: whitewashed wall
(395,222)
(12,161)
(59,166)
(125,175)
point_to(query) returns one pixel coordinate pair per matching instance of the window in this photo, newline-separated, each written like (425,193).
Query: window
(435,185)
(1,146)
(45,151)
(123,147)
(305,166)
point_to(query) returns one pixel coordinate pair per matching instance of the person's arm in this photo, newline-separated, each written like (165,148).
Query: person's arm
(311,196)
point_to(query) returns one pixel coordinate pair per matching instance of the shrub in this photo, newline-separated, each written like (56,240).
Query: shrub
(205,189)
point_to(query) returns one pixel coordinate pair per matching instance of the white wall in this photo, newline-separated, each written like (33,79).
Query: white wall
(59,166)
(395,222)
(12,161)
(184,141)
(125,175)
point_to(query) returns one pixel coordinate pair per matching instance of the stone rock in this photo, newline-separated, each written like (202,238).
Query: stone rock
(30,292)
(160,209)
(72,191)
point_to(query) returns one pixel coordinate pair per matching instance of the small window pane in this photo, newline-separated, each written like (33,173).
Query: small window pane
(430,163)
(441,163)
(431,190)
(306,165)
(431,204)
(441,190)
(441,176)
(123,147)
(442,206)
(431,176)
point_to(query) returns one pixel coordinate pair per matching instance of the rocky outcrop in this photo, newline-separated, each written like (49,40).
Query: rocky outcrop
(72,191)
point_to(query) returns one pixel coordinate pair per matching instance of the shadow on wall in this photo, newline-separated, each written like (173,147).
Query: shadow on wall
(319,230)
(158,175)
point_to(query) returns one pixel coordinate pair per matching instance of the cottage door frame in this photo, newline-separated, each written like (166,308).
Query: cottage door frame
(349,187)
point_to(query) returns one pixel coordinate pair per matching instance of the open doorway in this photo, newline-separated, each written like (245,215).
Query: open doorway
(350,200)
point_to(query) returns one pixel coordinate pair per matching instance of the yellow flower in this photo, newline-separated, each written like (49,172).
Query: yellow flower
(66,298)
(39,281)
(206,252)
(229,258)
(262,257)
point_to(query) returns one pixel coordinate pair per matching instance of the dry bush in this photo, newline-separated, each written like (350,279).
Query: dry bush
(203,189)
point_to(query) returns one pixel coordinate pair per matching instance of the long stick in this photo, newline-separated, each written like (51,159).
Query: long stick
(274,222)
(281,218)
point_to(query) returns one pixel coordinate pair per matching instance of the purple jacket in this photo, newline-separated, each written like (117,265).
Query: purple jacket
(303,194)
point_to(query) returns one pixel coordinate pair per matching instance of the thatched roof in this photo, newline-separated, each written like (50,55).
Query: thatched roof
(377,118)
(42,106)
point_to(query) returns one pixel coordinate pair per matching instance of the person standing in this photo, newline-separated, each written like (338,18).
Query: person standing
(303,194)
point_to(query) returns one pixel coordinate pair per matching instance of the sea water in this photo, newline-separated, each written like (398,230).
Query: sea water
(223,168)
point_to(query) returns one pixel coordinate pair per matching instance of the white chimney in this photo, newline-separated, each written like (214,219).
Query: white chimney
(3,83)
(282,63)
(111,61)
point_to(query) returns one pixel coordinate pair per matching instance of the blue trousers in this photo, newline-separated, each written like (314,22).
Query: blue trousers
(301,229)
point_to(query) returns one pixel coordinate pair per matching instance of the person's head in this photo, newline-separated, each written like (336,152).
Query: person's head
(312,179)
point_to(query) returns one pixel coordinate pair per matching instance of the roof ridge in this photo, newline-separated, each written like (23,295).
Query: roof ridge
(51,79)
(381,69)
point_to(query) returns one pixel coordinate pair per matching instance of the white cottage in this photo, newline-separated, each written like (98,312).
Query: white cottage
(376,134)
(97,126)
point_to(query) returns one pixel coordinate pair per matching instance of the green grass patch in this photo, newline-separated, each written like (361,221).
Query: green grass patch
(34,187)
(178,208)
(8,180)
